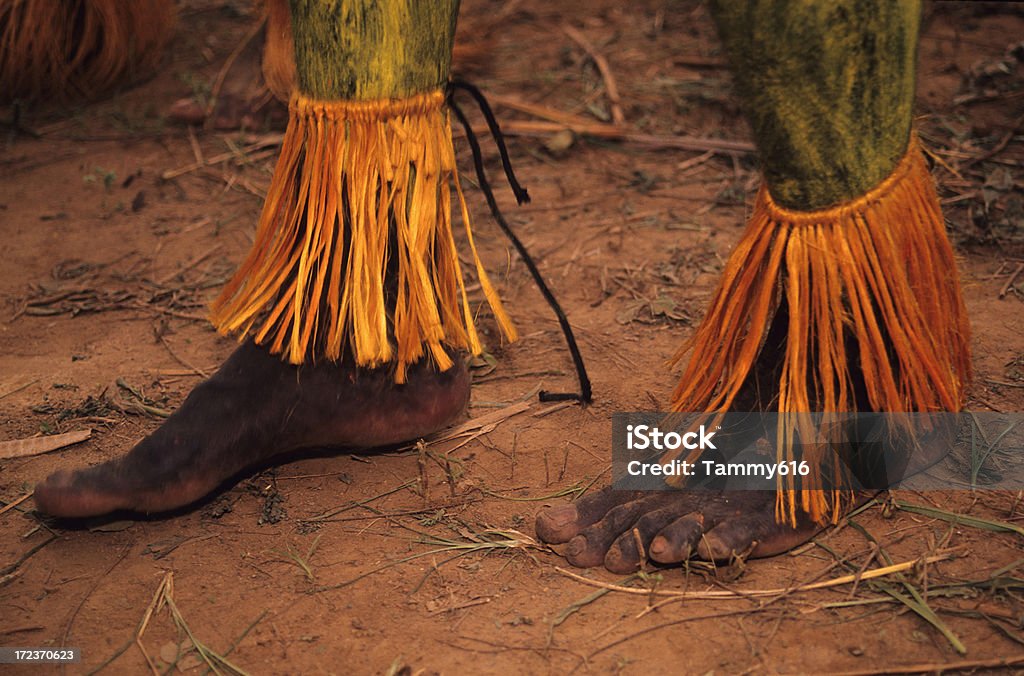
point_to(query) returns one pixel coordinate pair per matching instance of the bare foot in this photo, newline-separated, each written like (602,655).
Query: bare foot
(609,527)
(671,526)
(256,408)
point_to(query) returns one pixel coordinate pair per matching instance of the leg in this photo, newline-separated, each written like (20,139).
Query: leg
(352,293)
(842,295)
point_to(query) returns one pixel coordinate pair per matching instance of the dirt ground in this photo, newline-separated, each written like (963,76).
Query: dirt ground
(119,227)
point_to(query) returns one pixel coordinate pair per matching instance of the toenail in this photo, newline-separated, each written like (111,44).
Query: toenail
(561,516)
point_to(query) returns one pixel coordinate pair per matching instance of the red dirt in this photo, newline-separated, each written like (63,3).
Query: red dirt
(642,225)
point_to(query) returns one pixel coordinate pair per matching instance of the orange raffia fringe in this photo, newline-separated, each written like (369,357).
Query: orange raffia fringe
(360,197)
(880,269)
(75,49)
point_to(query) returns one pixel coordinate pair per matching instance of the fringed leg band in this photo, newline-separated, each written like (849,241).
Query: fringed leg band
(354,250)
(879,269)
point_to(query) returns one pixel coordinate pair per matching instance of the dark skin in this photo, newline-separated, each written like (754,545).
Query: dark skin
(255,409)
(674,526)
(602,529)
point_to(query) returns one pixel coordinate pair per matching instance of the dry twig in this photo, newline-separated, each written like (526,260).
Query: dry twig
(24,448)
(723,594)
(610,86)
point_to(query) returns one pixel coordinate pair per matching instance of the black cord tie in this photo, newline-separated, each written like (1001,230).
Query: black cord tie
(522,197)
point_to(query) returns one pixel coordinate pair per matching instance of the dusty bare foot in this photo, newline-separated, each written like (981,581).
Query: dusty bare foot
(252,410)
(671,526)
(609,527)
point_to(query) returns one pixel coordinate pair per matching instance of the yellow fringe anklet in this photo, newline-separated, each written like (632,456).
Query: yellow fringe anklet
(879,268)
(361,191)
